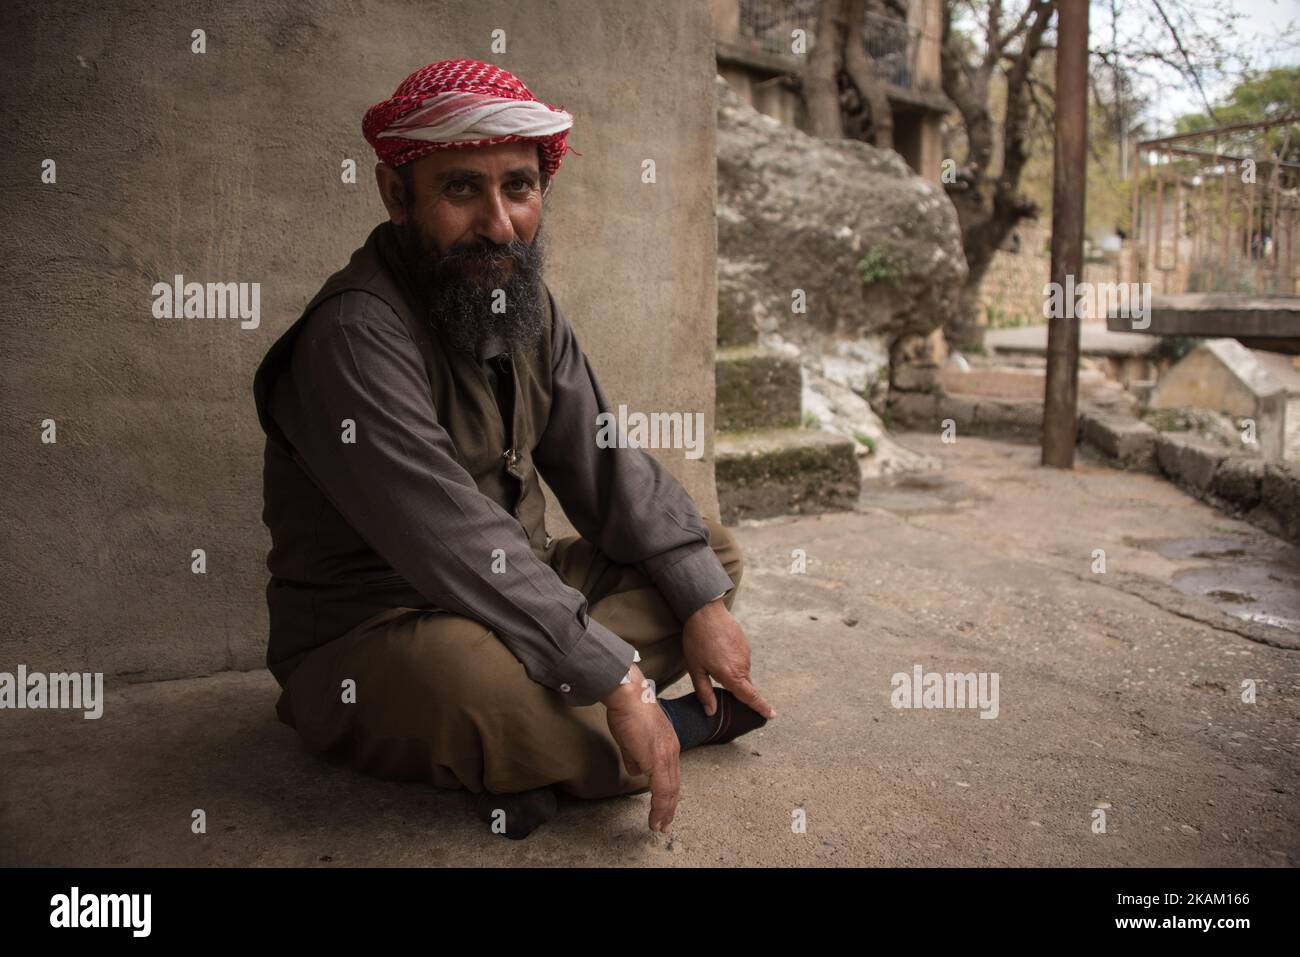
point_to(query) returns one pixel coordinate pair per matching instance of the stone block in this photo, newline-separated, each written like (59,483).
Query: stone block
(757,389)
(1225,376)
(1131,443)
(1238,481)
(1189,460)
(768,472)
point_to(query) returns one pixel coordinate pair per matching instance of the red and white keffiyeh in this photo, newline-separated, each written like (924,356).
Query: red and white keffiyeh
(459,103)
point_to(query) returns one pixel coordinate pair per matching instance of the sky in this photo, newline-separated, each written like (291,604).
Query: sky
(1259,30)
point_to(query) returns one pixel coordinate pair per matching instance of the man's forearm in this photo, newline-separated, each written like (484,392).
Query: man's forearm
(688,578)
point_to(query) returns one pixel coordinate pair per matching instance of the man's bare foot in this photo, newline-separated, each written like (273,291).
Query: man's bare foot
(515,815)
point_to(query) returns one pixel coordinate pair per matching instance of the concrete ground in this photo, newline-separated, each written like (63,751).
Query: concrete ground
(1118,691)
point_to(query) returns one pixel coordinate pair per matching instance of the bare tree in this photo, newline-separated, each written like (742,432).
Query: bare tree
(821,85)
(860,72)
(839,60)
(989,203)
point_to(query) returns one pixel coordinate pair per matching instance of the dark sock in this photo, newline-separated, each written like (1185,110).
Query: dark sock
(522,813)
(732,719)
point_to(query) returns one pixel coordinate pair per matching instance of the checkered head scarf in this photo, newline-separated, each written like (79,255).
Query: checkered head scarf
(461,103)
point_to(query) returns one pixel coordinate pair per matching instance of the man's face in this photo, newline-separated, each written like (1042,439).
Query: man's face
(469,223)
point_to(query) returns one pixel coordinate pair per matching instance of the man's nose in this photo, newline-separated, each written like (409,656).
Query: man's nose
(494,220)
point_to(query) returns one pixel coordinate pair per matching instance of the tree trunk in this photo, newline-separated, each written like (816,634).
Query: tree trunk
(989,208)
(871,89)
(821,89)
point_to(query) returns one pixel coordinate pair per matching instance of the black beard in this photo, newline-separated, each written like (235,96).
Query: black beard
(461,286)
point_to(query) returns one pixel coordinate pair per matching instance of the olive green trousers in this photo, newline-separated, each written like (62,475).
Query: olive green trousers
(441,699)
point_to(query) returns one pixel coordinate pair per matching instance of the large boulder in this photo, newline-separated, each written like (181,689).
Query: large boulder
(796,212)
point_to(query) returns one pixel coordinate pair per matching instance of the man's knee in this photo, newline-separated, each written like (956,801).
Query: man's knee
(456,660)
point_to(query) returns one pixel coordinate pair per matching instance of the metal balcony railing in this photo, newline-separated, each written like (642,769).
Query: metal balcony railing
(767,26)
(1218,211)
(891,47)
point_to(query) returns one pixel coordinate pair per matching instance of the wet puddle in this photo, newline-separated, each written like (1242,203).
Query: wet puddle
(1255,579)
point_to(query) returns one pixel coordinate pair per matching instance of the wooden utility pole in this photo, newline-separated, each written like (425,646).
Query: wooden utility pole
(1061,401)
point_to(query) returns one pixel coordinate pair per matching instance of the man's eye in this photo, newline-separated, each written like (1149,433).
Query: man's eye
(521,186)
(461,187)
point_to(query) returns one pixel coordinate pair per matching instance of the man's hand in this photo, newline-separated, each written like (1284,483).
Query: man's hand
(649,745)
(715,647)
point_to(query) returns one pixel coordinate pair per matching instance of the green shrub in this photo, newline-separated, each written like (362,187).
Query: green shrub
(882,265)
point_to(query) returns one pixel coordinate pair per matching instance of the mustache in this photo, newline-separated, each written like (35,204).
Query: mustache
(488,254)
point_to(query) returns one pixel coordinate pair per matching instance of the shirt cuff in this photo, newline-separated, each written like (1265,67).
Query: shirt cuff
(593,667)
(627,678)
(689,577)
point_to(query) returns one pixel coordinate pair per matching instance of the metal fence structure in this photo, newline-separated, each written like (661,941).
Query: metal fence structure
(1218,211)
(891,47)
(768,26)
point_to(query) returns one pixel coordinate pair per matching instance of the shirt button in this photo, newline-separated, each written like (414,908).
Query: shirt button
(565,688)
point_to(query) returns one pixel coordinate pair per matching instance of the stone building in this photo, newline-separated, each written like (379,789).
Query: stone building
(754,40)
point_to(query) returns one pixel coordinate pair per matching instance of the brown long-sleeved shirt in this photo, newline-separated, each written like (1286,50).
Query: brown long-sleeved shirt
(405,494)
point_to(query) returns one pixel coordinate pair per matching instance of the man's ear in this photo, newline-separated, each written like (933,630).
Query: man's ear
(392,190)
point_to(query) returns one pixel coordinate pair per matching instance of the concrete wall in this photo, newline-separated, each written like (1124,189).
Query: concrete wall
(225,166)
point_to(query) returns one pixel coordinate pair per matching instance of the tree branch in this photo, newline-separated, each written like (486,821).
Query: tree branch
(1191,70)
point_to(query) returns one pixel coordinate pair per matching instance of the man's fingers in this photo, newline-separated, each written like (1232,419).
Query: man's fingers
(704,691)
(665,791)
(744,689)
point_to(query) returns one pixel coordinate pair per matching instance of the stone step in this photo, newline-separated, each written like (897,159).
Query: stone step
(767,472)
(965,414)
(757,389)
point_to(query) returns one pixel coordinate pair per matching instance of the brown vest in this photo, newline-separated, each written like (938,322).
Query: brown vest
(325,579)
